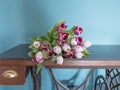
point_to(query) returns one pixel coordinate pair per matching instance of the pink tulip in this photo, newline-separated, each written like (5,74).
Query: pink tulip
(61,27)
(34,59)
(38,57)
(50,54)
(78,30)
(61,42)
(70,54)
(45,46)
(79,40)
(63,36)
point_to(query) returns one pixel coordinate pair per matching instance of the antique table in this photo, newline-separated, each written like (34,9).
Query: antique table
(15,64)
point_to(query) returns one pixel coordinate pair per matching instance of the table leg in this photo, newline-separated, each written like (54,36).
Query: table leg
(60,85)
(36,79)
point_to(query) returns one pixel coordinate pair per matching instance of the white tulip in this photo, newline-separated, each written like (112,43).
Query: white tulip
(78,55)
(36,44)
(57,49)
(78,49)
(87,44)
(59,60)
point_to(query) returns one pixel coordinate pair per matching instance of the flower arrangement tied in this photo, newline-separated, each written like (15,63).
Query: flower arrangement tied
(57,44)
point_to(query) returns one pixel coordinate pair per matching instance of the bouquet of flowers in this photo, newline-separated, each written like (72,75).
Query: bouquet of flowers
(57,44)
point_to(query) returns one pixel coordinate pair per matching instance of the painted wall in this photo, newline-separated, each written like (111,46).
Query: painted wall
(21,19)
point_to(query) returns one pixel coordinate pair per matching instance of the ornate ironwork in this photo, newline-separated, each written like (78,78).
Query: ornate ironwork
(111,82)
(113,78)
(70,86)
(101,83)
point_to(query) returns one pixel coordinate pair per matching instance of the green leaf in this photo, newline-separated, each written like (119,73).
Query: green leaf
(35,49)
(60,22)
(34,39)
(52,58)
(30,46)
(86,52)
(55,33)
(43,38)
(54,38)
(31,54)
(48,37)
(68,41)
(70,37)
(44,54)
(71,31)
(39,66)
(54,43)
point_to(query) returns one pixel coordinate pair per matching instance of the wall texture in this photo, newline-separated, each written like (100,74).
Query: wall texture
(21,19)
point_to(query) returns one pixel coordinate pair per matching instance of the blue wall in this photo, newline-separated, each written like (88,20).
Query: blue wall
(21,19)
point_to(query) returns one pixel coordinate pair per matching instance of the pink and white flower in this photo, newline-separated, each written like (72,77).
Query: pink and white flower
(36,44)
(78,55)
(66,48)
(38,57)
(70,54)
(36,60)
(79,40)
(59,60)
(50,54)
(57,49)
(78,49)
(45,46)
(63,36)
(78,30)
(73,42)
(61,27)
(86,44)
(61,42)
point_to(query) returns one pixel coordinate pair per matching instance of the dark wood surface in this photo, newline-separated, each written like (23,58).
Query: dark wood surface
(101,56)
(16,56)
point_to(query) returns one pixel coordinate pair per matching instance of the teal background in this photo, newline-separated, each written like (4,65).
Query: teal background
(21,19)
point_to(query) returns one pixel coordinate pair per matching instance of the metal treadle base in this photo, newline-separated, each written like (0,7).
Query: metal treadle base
(64,85)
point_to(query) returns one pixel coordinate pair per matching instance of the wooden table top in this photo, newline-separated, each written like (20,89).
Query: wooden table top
(16,56)
(102,56)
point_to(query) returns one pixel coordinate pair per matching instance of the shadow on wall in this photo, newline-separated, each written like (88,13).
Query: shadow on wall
(35,19)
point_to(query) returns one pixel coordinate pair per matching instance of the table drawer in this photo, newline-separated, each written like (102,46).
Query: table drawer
(12,75)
